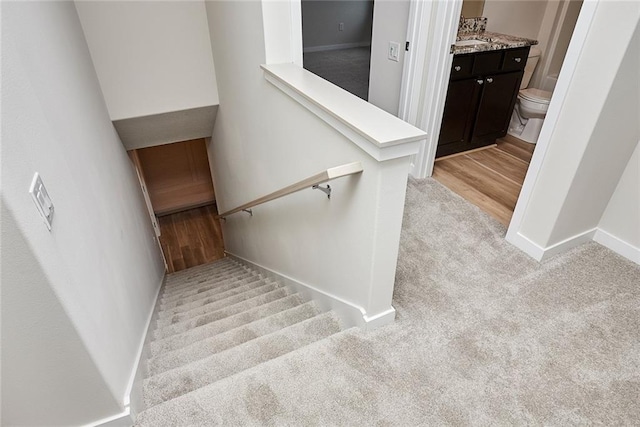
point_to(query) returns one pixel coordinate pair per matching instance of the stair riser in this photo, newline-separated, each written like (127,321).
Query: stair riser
(211,307)
(224,292)
(172,384)
(209,293)
(196,322)
(182,284)
(208,268)
(176,342)
(201,282)
(206,347)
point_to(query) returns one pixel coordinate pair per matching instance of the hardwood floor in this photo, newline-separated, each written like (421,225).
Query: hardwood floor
(490,179)
(191,238)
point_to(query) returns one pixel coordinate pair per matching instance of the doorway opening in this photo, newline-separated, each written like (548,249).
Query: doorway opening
(177,184)
(491,177)
(336,40)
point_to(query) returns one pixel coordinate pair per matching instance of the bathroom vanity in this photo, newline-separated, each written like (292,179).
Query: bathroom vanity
(485,78)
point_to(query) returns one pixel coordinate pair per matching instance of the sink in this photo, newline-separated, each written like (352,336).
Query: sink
(470,42)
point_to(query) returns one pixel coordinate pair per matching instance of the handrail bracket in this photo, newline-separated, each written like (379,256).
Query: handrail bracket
(326,190)
(249,211)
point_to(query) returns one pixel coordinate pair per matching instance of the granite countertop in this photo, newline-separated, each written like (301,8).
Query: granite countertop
(495,41)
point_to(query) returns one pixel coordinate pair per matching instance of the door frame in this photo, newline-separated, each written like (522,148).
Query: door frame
(432,30)
(578,39)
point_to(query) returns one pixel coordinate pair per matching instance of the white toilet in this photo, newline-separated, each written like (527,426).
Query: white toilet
(531,105)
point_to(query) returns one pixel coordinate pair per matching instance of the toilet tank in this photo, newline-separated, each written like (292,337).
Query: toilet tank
(529,68)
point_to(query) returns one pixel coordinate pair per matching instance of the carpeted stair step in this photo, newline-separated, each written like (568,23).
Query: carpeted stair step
(230,310)
(176,382)
(203,285)
(227,291)
(217,305)
(181,277)
(210,292)
(176,285)
(175,342)
(208,346)
(206,405)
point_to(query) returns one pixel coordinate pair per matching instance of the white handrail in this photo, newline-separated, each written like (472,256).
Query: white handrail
(324,176)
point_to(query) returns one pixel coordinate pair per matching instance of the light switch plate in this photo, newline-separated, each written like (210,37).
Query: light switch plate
(42,200)
(394,51)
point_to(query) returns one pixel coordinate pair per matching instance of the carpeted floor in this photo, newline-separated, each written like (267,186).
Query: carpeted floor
(484,336)
(347,68)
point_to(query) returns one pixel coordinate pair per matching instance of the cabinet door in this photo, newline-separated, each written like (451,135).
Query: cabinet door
(457,119)
(495,107)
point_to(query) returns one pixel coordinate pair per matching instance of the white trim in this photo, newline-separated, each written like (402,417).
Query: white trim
(569,243)
(617,245)
(539,253)
(527,246)
(123,419)
(578,39)
(378,133)
(350,314)
(296,31)
(432,30)
(335,46)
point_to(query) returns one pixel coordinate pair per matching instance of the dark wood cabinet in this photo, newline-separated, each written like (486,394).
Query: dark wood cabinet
(482,92)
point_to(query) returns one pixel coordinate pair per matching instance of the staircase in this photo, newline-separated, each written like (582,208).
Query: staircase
(218,320)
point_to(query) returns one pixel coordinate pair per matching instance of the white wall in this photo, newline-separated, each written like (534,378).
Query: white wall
(151,57)
(100,259)
(592,141)
(390,20)
(320,20)
(263,140)
(48,376)
(521,18)
(621,219)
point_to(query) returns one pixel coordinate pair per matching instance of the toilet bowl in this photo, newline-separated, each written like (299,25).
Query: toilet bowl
(531,104)
(528,114)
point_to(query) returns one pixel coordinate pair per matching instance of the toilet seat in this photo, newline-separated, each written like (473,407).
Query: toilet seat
(535,95)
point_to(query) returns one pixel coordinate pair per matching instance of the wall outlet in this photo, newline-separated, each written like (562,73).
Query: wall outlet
(394,51)
(42,200)
(341,26)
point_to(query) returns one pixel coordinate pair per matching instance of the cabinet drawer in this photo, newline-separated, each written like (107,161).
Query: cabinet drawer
(515,59)
(487,63)
(461,67)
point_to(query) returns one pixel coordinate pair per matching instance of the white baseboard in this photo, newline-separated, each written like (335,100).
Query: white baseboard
(569,243)
(133,398)
(525,245)
(539,253)
(335,47)
(123,419)
(350,314)
(617,245)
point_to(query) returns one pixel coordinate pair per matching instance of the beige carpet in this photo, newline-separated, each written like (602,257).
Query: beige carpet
(484,336)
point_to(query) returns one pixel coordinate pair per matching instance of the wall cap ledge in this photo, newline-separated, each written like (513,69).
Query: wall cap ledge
(378,133)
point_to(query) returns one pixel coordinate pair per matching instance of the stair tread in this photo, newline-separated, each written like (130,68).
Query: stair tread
(208,293)
(231,289)
(176,382)
(216,265)
(178,283)
(220,313)
(225,340)
(207,285)
(174,342)
(218,304)
(202,406)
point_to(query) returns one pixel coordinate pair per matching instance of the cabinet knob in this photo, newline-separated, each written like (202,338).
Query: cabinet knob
(457,68)
(489,80)
(517,59)
(480,81)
